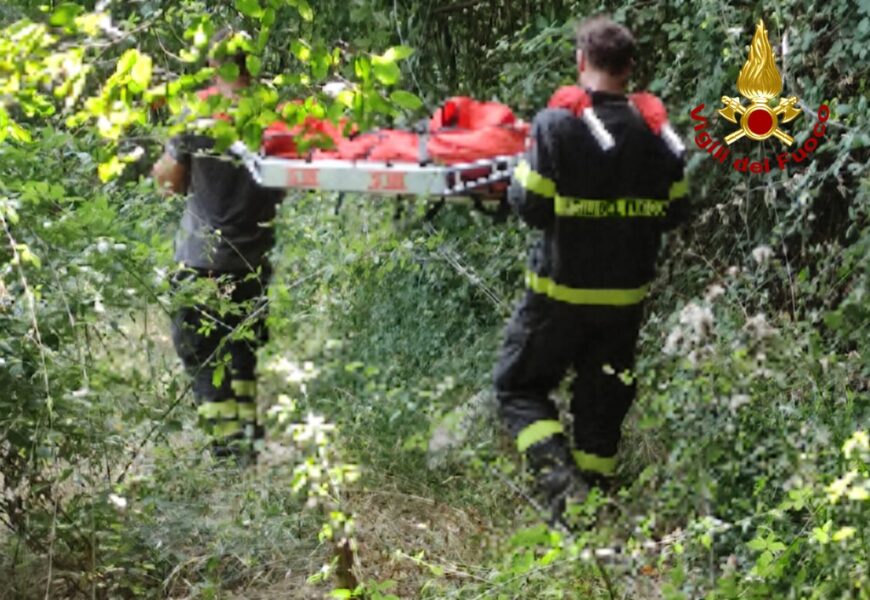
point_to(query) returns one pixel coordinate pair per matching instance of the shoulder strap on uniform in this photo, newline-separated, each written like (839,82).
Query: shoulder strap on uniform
(579,102)
(653,112)
(571,97)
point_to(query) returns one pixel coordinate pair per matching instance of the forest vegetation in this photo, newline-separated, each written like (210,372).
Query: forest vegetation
(745,465)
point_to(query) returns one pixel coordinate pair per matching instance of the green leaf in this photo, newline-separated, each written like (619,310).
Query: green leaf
(320,62)
(341,594)
(386,71)
(300,50)
(531,537)
(217,377)
(127,61)
(406,100)
(844,533)
(398,53)
(229,71)
(304,10)
(254,64)
(268,17)
(64,14)
(362,67)
(224,135)
(707,540)
(249,8)
(757,544)
(110,169)
(140,74)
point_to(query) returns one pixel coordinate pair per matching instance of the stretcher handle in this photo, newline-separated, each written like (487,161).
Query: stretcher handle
(251,161)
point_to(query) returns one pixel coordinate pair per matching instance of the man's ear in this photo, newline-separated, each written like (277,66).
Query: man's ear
(581,61)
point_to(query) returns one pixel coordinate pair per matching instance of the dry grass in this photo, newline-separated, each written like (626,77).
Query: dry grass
(394,528)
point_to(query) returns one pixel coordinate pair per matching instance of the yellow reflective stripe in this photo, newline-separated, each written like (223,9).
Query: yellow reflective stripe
(218,410)
(536,432)
(563,293)
(679,189)
(247,411)
(226,428)
(616,207)
(604,465)
(534,181)
(244,387)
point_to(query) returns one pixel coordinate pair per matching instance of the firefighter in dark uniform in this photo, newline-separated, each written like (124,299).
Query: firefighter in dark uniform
(603,178)
(225,237)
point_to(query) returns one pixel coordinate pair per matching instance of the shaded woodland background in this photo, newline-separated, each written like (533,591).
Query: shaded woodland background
(745,465)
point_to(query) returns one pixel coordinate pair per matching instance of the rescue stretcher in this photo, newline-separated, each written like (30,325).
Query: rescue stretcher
(468,149)
(487,177)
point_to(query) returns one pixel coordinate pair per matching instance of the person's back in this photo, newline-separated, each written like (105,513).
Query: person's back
(603,178)
(612,199)
(226,226)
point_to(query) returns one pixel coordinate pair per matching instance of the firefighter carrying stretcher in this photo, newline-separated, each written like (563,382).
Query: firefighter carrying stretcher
(224,240)
(603,178)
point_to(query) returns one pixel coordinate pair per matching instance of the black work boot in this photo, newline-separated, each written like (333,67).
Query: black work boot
(556,477)
(562,486)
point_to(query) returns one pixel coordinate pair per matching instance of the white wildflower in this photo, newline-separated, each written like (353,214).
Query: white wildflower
(102,246)
(334,88)
(733,271)
(81,392)
(137,153)
(758,327)
(762,254)
(713,292)
(738,400)
(119,501)
(99,308)
(293,372)
(859,441)
(699,319)
(841,486)
(160,275)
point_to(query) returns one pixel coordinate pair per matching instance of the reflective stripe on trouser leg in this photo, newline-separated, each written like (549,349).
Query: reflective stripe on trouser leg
(602,465)
(246,396)
(538,432)
(223,409)
(221,417)
(246,388)
(224,429)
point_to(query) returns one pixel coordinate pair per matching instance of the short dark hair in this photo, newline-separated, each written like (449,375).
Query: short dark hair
(607,45)
(222,54)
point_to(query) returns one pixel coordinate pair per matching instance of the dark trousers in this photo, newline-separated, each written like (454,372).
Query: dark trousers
(545,338)
(217,336)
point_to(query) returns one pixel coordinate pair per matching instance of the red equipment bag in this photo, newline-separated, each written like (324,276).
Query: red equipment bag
(463,130)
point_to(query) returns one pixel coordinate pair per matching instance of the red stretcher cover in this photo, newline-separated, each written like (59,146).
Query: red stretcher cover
(463,130)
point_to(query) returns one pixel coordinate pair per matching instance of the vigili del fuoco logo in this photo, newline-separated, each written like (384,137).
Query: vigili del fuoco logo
(760,83)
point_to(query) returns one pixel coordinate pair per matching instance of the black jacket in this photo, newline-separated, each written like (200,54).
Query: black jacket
(602,187)
(227,223)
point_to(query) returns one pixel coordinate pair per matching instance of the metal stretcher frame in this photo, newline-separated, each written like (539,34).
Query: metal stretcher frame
(380,178)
